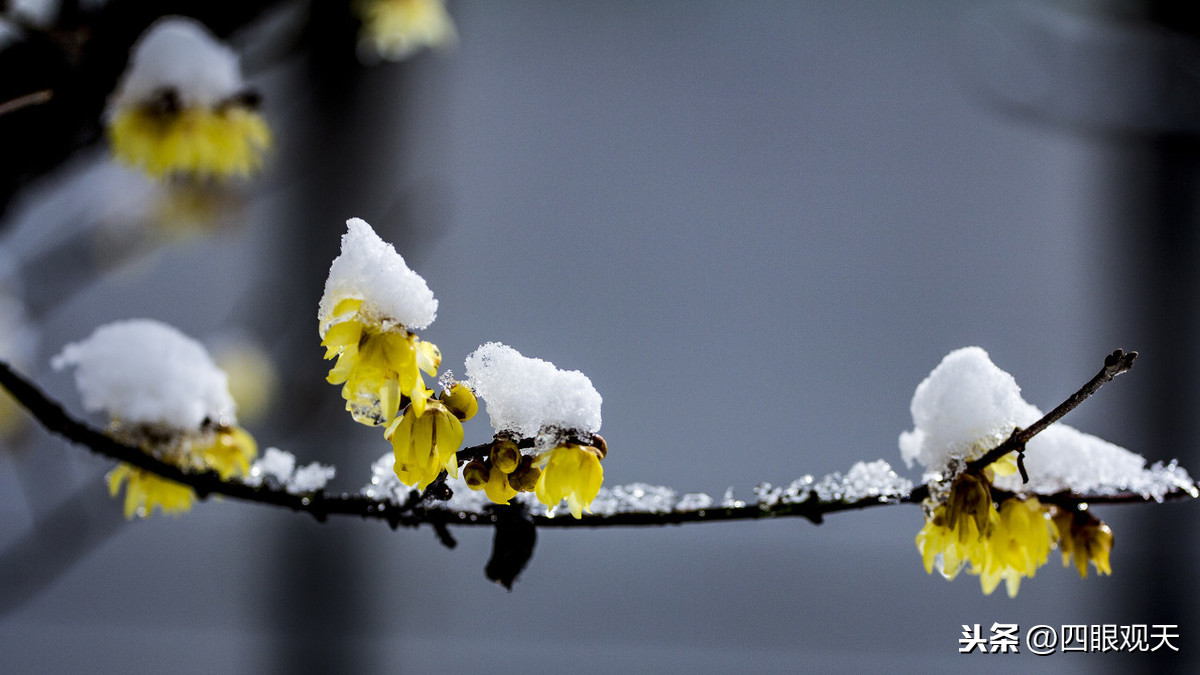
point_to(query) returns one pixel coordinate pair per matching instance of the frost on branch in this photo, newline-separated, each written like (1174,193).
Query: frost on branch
(277,468)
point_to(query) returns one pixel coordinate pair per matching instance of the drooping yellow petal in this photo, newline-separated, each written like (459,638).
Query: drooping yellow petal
(219,143)
(570,473)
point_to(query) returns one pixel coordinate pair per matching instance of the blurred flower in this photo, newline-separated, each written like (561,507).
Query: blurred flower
(147,491)
(162,393)
(182,109)
(396,29)
(252,375)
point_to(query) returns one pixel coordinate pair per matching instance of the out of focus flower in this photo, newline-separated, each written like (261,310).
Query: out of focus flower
(182,109)
(396,29)
(163,393)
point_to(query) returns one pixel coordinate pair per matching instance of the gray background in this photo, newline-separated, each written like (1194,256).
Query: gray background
(755,226)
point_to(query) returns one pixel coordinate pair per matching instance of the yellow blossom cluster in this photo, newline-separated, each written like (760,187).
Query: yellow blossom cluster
(568,471)
(1006,543)
(396,29)
(227,450)
(379,366)
(165,140)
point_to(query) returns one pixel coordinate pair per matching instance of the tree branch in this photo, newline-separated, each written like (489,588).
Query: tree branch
(424,508)
(1114,364)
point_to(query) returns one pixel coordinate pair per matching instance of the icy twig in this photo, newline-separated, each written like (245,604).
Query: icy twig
(425,509)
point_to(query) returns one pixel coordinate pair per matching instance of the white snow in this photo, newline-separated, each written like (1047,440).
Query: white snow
(179,53)
(274,463)
(142,371)
(370,269)
(280,467)
(965,407)
(310,478)
(525,395)
(1063,458)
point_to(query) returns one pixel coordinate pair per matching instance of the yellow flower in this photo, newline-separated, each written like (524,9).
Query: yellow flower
(229,453)
(948,546)
(12,416)
(569,472)
(377,366)
(1085,537)
(163,141)
(1018,545)
(147,491)
(425,443)
(497,488)
(395,29)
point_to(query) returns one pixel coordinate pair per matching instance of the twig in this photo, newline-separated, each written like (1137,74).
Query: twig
(1114,364)
(423,508)
(36,98)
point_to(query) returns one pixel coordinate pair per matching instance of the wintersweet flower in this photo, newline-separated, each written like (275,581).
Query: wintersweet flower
(377,366)
(163,393)
(396,29)
(147,491)
(1084,537)
(182,109)
(425,443)
(371,305)
(957,531)
(1018,545)
(570,472)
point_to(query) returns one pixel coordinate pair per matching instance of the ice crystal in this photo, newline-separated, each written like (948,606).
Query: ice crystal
(635,497)
(694,501)
(274,465)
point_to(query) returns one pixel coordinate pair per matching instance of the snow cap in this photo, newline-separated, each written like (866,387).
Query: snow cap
(179,53)
(142,371)
(371,270)
(524,395)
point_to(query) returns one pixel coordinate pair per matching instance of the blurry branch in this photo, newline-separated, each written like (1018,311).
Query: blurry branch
(424,508)
(36,98)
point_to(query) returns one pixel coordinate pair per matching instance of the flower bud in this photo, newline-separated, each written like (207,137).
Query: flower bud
(475,473)
(505,455)
(525,477)
(461,401)
(600,445)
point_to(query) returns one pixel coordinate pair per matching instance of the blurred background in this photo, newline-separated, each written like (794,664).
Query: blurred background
(756,226)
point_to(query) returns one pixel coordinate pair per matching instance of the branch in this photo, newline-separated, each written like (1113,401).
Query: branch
(1114,364)
(425,508)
